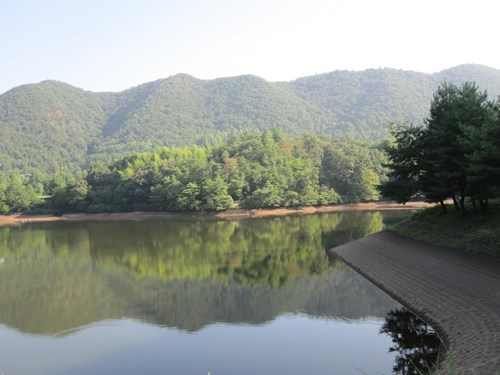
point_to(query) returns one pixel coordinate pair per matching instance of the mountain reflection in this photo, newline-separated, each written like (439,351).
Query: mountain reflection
(416,343)
(182,273)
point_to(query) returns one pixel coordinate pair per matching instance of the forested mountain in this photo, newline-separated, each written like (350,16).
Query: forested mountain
(51,124)
(48,124)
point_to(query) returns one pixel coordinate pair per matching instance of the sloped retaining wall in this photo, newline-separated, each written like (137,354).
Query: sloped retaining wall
(458,293)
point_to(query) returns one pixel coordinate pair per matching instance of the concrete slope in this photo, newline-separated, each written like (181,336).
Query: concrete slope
(457,292)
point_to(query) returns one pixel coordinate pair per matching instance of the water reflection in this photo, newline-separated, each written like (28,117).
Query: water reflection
(415,342)
(185,274)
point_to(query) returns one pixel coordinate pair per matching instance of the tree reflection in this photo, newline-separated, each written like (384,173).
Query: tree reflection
(182,273)
(415,341)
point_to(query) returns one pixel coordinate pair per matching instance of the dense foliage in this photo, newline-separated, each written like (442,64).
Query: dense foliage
(18,193)
(50,125)
(455,154)
(254,170)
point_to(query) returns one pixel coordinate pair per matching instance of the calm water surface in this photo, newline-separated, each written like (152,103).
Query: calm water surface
(253,296)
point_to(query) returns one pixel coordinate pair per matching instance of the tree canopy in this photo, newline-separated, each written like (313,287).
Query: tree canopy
(454,154)
(252,170)
(17,192)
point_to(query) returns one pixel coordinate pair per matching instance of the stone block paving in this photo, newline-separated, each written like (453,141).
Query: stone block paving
(457,292)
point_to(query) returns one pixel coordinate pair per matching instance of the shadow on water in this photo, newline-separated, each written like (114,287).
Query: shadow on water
(415,342)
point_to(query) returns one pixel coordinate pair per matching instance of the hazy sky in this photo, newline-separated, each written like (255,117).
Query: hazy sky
(111,45)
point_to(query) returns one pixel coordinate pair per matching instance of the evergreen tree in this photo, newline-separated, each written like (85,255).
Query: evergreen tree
(455,155)
(453,110)
(483,145)
(405,162)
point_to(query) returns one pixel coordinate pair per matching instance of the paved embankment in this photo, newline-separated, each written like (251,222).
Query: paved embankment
(458,293)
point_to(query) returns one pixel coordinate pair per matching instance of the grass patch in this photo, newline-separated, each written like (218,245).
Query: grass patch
(471,231)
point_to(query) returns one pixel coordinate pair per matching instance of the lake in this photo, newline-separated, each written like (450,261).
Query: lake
(194,296)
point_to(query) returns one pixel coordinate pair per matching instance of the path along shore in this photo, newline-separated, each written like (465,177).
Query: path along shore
(372,206)
(457,292)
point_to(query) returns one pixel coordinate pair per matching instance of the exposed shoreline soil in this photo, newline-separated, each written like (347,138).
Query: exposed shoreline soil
(237,213)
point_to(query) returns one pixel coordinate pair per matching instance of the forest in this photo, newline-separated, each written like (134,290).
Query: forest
(52,125)
(454,154)
(252,170)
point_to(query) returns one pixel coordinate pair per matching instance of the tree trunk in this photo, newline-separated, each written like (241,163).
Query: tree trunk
(482,204)
(443,206)
(455,203)
(474,203)
(462,204)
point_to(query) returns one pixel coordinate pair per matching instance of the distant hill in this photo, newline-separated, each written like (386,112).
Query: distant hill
(50,124)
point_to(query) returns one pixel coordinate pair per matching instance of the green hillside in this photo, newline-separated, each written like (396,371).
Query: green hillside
(486,78)
(182,110)
(363,103)
(51,124)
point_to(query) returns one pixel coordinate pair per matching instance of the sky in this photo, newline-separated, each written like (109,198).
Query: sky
(112,45)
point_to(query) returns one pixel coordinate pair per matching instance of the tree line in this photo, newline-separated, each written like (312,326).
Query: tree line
(251,170)
(454,154)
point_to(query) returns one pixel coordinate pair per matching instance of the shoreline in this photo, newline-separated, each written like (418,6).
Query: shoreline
(17,219)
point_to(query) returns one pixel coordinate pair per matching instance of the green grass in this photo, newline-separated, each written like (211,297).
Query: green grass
(471,231)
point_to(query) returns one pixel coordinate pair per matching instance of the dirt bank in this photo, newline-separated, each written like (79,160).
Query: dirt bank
(21,218)
(237,213)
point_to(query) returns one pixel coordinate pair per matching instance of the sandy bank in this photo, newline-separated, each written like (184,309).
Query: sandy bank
(237,213)
(17,219)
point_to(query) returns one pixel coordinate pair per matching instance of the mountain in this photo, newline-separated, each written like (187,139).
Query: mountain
(486,78)
(50,124)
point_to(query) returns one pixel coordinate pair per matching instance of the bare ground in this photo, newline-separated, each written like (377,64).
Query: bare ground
(236,213)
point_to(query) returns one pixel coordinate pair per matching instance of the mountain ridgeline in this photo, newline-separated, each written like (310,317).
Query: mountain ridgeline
(51,124)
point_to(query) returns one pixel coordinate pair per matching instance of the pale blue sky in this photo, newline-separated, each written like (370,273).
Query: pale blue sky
(111,45)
